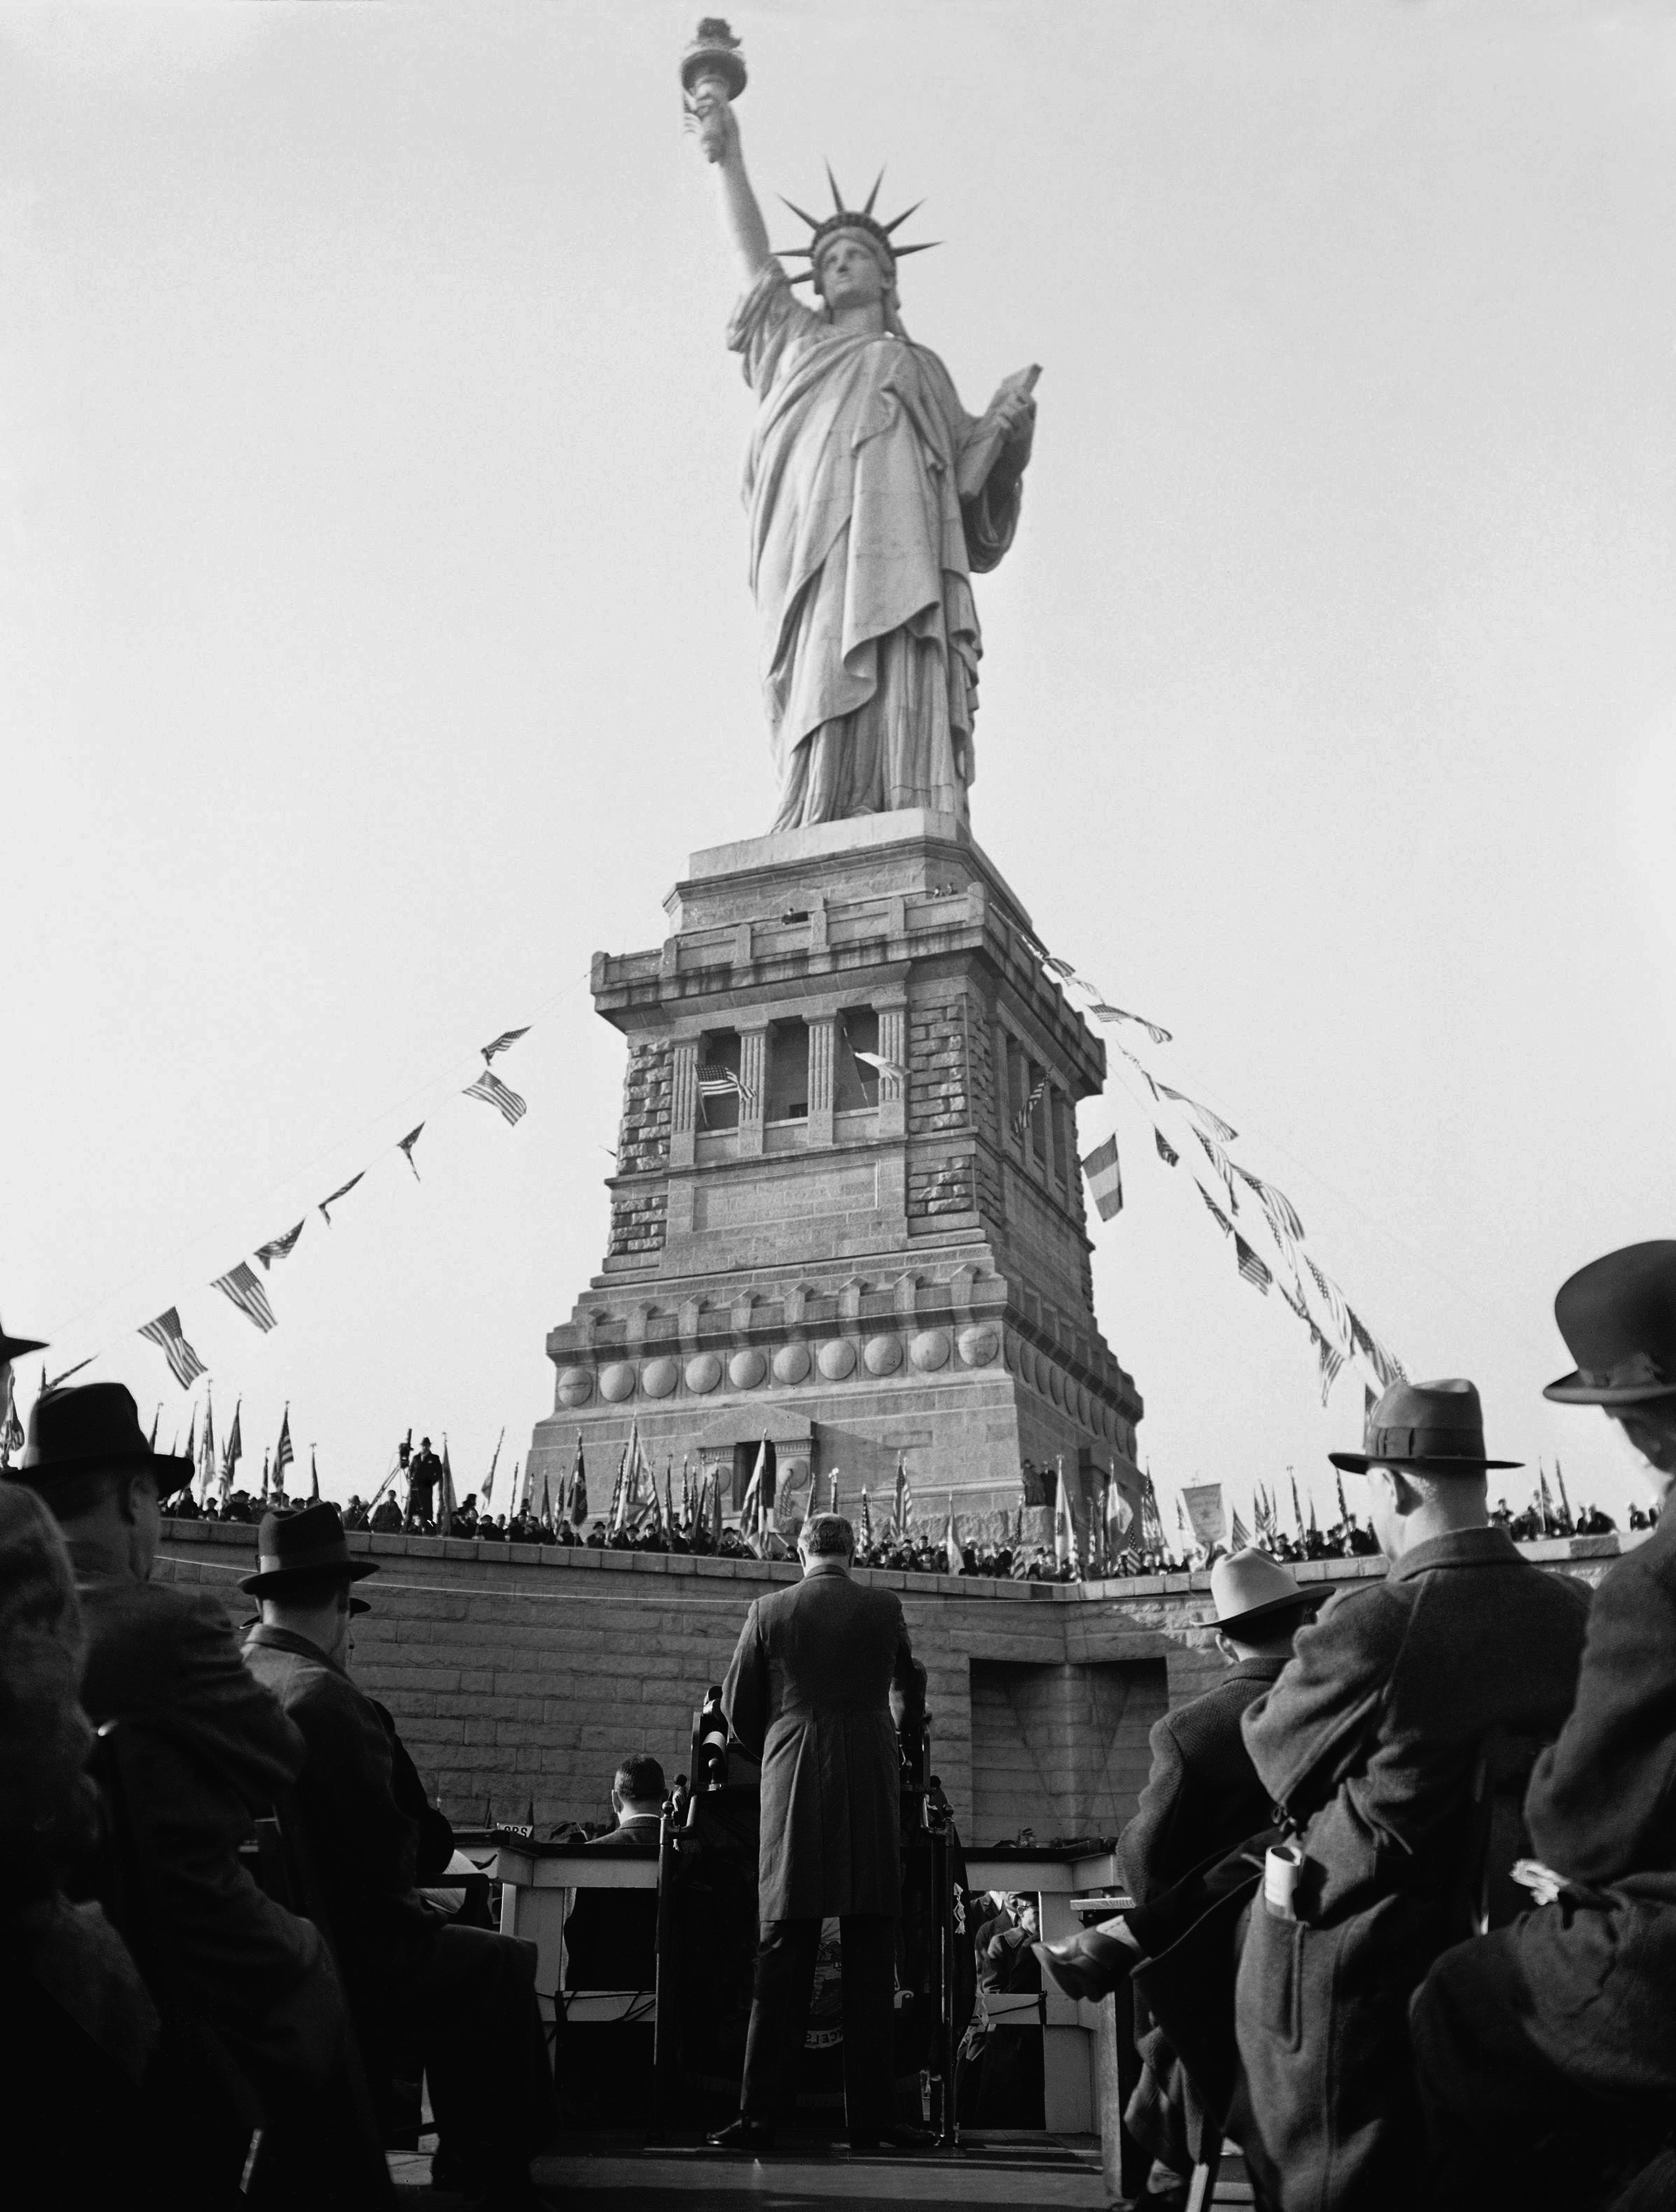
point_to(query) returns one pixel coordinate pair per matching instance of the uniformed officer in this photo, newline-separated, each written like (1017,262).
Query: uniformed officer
(1367,1745)
(821,1678)
(1564,2021)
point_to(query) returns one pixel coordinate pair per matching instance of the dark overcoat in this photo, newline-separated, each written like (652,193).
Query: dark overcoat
(1587,1983)
(211,1750)
(611,1936)
(365,1847)
(808,1692)
(1369,1740)
(1203,1794)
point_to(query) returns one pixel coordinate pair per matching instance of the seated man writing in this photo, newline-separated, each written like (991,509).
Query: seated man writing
(465,1998)
(1563,2024)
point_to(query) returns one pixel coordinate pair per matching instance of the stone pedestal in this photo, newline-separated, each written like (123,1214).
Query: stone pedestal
(847,1215)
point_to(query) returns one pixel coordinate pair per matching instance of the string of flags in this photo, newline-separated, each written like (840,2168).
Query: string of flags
(1338,1334)
(244,1288)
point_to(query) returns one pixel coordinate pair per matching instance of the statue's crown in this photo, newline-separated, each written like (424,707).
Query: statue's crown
(846,218)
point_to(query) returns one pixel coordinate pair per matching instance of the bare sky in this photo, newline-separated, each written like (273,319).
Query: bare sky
(376,645)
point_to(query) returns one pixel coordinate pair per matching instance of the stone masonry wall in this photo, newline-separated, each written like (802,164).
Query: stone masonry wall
(647,1104)
(520,1676)
(640,1220)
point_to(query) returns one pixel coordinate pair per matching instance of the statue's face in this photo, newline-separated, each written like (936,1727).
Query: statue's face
(849,273)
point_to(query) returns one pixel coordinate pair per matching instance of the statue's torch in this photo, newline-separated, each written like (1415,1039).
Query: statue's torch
(713,74)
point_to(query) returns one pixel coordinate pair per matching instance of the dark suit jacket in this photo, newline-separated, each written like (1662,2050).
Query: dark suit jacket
(610,1937)
(808,1692)
(1371,1735)
(364,1845)
(214,1750)
(1203,1794)
(1602,1801)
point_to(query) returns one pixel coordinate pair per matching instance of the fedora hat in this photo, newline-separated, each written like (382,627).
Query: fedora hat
(1434,1428)
(95,1425)
(294,1548)
(1618,1317)
(13,1347)
(1248,1588)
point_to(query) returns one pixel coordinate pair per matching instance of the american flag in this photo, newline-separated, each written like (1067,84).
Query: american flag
(283,1455)
(342,1191)
(715,1081)
(1334,1303)
(243,1286)
(185,1364)
(579,1486)
(1239,1536)
(1250,1266)
(233,1451)
(406,1144)
(506,1037)
(1216,1213)
(1388,1369)
(1134,1062)
(280,1247)
(881,1066)
(1331,1360)
(1220,1161)
(1282,1213)
(1167,1151)
(1021,1120)
(490,1087)
(1212,1122)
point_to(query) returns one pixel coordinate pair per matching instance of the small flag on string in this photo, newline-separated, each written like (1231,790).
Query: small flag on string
(1388,1369)
(1105,1179)
(1331,1360)
(1103,1012)
(242,1285)
(507,1037)
(1142,1065)
(1294,1299)
(185,1364)
(283,1455)
(1167,1151)
(1223,1165)
(490,1087)
(1212,1122)
(1282,1213)
(342,1191)
(281,1248)
(1216,1213)
(1250,1266)
(892,1068)
(406,1144)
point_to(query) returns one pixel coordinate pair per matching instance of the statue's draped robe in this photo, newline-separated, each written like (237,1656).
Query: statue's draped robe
(866,526)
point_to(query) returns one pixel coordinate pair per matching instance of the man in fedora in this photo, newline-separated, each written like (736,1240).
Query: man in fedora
(208,1748)
(1202,1800)
(464,1997)
(1368,1747)
(1565,2020)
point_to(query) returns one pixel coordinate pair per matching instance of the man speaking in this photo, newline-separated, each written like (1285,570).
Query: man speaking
(821,1678)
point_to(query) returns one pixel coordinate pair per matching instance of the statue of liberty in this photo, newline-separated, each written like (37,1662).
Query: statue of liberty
(873,499)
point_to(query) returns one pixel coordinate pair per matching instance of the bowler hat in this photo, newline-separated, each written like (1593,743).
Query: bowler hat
(13,1347)
(1433,1428)
(95,1425)
(294,1548)
(1249,1588)
(1618,1317)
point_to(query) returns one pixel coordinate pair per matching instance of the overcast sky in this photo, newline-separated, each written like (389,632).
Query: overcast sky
(376,645)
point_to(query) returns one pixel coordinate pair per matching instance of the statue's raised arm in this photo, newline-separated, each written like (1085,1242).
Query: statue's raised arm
(873,497)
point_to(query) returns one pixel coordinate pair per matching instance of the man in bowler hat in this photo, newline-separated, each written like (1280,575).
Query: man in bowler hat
(1369,1746)
(465,1998)
(1565,2020)
(209,1748)
(820,1679)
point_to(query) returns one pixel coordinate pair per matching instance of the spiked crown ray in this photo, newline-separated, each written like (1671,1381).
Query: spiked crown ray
(863,219)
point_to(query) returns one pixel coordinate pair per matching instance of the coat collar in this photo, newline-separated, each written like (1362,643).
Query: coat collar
(286,1640)
(1267,1667)
(1461,1547)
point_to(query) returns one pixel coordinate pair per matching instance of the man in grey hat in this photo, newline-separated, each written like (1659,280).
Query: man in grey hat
(464,1997)
(1563,2022)
(207,1749)
(1202,1800)
(1369,1746)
